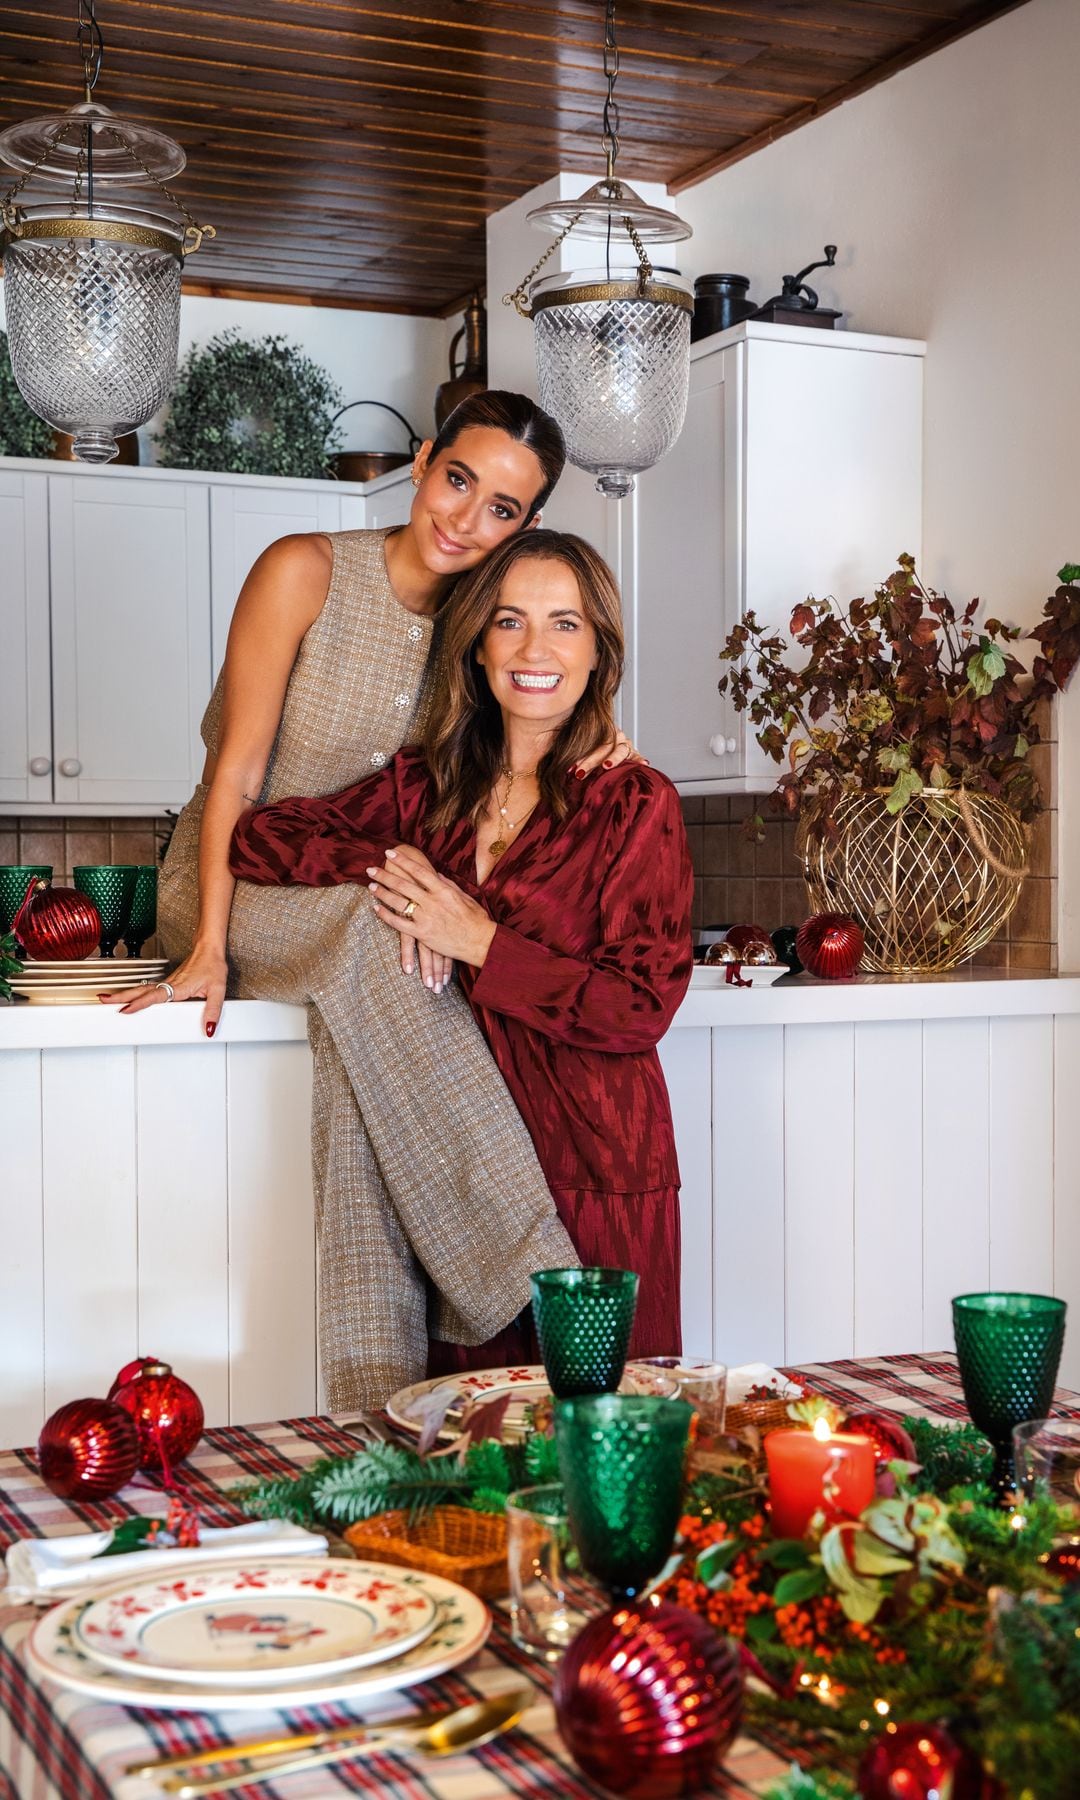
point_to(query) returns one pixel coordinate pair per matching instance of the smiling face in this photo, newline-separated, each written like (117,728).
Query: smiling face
(471,496)
(539,648)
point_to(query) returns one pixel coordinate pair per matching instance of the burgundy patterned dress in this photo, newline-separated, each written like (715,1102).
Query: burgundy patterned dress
(590,959)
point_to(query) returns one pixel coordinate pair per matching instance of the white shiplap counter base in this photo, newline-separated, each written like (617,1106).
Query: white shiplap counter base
(852,1156)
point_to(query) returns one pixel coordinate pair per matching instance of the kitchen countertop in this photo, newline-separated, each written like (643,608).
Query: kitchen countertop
(794,1000)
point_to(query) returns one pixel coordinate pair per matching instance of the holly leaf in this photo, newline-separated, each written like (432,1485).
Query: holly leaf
(761,1627)
(786,1553)
(799,1584)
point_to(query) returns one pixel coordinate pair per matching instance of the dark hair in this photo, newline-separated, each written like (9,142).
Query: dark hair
(522,420)
(464,745)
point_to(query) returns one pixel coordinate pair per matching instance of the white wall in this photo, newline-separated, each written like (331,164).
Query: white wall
(952,191)
(370,355)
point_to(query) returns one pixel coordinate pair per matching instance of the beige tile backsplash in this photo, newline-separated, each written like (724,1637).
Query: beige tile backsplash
(70,843)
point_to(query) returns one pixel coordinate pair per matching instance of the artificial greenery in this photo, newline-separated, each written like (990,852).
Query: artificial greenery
(22,433)
(900,692)
(9,964)
(251,408)
(340,1490)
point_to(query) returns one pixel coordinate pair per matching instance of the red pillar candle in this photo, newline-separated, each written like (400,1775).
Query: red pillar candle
(817,1470)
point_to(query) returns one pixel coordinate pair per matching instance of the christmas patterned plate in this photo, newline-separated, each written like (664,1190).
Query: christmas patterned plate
(527,1384)
(257,1624)
(462,1624)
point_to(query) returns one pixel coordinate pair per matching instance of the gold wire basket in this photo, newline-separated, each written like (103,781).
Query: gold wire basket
(929,885)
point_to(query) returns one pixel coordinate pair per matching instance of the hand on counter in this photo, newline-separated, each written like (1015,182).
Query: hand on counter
(201,977)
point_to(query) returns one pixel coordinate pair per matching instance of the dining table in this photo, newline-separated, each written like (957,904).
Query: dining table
(59,1745)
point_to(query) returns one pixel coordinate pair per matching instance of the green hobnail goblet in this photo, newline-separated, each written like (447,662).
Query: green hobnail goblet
(1008,1347)
(142,922)
(583,1321)
(111,886)
(623,1458)
(15,878)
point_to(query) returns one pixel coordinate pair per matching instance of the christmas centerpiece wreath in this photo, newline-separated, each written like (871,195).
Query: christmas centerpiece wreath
(251,408)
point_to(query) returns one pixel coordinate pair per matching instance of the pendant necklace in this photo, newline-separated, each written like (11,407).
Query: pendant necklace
(502,842)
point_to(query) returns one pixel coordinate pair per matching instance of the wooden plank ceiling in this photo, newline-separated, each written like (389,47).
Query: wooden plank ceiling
(349,154)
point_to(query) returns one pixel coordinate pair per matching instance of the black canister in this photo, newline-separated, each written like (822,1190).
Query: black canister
(719,301)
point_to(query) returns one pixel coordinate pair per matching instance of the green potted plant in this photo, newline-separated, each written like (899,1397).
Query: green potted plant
(251,407)
(906,731)
(22,433)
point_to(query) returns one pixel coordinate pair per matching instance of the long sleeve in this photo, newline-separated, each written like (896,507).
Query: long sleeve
(623,995)
(319,843)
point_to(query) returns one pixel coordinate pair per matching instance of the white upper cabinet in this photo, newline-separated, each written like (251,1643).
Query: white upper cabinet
(799,471)
(244,521)
(25,703)
(130,638)
(390,498)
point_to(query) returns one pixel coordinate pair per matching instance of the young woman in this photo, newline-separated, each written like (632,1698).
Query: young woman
(416,1142)
(565,904)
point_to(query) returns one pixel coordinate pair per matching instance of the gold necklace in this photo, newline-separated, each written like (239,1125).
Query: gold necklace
(501,843)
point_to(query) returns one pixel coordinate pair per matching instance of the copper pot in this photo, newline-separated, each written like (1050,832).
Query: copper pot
(127,447)
(364,465)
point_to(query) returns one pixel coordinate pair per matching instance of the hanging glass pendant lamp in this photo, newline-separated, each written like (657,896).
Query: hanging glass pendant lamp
(612,346)
(92,286)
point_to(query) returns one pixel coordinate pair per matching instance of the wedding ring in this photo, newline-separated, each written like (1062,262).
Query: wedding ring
(168,990)
(408,909)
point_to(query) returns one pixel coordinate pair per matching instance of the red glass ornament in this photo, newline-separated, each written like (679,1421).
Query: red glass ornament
(57,923)
(629,1715)
(1064,1562)
(742,936)
(830,945)
(87,1450)
(891,1442)
(167,1412)
(919,1762)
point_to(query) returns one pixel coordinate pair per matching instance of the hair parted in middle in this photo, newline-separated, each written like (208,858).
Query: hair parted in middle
(464,745)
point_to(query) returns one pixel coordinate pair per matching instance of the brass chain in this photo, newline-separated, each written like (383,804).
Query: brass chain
(645,268)
(9,212)
(76,192)
(611,75)
(194,229)
(520,295)
(91,46)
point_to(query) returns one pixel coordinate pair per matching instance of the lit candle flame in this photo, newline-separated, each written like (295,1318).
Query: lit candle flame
(821,1431)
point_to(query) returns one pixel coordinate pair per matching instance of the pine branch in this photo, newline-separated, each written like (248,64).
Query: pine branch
(388,1478)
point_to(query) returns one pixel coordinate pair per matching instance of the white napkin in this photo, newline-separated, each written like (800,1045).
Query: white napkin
(747,1375)
(48,1569)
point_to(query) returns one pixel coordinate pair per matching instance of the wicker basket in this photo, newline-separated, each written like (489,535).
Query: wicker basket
(929,885)
(464,1546)
(766,1415)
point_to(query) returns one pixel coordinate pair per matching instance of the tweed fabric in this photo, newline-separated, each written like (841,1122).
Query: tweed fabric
(420,1160)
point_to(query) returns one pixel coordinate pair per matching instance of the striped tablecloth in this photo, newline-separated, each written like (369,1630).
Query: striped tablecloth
(60,1746)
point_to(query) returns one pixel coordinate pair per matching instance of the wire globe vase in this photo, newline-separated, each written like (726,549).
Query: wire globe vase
(613,367)
(929,885)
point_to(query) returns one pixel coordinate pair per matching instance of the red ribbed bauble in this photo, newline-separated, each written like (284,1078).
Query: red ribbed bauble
(629,1715)
(891,1442)
(57,923)
(830,945)
(919,1762)
(87,1450)
(168,1414)
(742,936)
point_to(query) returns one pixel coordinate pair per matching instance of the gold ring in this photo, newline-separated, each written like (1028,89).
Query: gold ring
(408,909)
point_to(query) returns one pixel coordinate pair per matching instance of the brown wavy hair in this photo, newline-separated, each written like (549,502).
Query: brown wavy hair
(521,419)
(464,745)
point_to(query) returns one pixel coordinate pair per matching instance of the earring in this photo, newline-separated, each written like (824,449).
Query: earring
(416,481)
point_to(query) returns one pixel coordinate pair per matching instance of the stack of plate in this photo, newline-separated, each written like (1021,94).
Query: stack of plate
(297,1631)
(410,1407)
(80,983)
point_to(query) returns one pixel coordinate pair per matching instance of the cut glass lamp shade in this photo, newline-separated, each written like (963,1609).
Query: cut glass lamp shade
(613,364)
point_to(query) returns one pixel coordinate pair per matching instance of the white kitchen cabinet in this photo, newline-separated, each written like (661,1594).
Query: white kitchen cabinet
(798,471)
(389,498)
(243,522)
(130,576)
(25,699)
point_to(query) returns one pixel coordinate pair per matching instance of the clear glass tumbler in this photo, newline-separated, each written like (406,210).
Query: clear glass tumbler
(551,1597)
(701,1382)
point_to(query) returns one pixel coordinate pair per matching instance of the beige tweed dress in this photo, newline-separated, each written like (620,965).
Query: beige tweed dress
(422,1166)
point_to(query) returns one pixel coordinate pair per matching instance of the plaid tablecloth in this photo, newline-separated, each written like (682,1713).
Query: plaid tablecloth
(60,1746)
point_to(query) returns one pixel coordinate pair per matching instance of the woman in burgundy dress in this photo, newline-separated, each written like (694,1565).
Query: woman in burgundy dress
(564,902)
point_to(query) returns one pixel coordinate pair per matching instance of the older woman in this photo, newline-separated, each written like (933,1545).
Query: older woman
(564,903)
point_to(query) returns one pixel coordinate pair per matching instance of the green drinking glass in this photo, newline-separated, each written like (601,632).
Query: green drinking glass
(142,922)
(583,1321)
(15,878)
(622,1458)
(111,886)
(1008,1347)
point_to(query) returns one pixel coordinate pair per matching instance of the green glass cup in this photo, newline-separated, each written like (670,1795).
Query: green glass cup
(623,1459)
(111,886)
(1008,1347)
(142,921)
(15,878)
(583,1321)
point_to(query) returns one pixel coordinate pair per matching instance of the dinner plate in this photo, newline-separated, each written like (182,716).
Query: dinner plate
(61,965)
(714,975)
(527,1384)
(257,1624)
(462,1624)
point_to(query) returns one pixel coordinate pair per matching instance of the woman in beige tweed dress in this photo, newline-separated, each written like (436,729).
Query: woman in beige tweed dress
(426,1181)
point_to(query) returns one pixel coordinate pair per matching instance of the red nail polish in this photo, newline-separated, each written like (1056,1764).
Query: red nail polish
(579,774)
(211,1028)
(608,764)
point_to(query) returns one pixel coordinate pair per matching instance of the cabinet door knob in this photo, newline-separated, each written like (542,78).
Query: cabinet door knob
(71,766)
(721,745)
(40,765)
